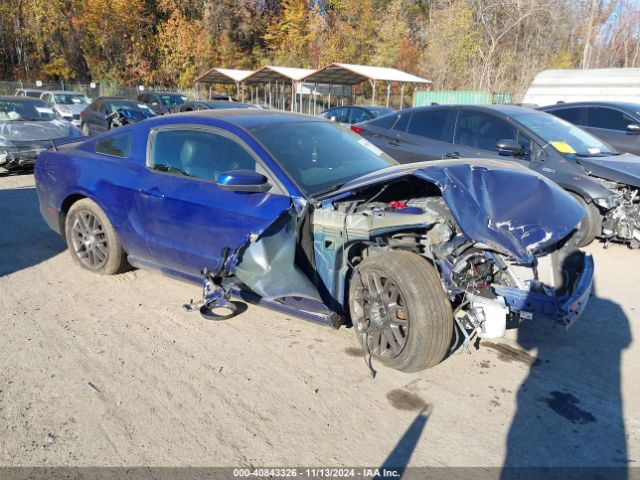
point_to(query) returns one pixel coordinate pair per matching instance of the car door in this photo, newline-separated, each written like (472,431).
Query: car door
(428,135)
(477,134)
(610,125)
(96,119)
(188,219)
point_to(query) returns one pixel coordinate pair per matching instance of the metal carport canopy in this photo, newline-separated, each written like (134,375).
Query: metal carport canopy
(272,74)
(223,75)
(348,74)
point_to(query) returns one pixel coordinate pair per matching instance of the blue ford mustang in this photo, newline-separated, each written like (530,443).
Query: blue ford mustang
(300,214)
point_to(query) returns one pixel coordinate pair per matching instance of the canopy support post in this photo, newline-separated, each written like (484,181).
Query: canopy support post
(388,93)
(401,96)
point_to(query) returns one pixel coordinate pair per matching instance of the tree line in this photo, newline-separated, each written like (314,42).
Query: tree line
(495,45)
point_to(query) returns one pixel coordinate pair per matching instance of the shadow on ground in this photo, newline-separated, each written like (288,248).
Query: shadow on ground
(569,408)
(25,238)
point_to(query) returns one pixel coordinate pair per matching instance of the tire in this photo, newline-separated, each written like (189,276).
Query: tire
(92,240)
(591,226)
(85,130)
(420,311)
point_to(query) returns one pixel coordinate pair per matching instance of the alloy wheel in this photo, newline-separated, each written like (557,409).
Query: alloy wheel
(380,314)
(89,240)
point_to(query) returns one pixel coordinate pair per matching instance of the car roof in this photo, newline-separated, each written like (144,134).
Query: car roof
(164,93)
(62,92)
(246,118)
(627,105)
(13,98)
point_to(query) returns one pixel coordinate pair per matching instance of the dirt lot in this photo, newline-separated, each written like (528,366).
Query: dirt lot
(110,371)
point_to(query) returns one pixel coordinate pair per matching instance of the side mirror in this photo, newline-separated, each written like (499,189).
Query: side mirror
(509,147)
(243,181)
(633,128)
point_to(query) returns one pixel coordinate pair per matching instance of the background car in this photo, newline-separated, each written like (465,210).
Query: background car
(28,92)
(604,181)
(69,105)
(162,102)
(105,113)
(350,114)
(28,126)
(209,105)
(616,123)
(377,242)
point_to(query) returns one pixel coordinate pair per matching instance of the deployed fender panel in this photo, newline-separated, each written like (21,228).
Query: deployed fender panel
(266,263)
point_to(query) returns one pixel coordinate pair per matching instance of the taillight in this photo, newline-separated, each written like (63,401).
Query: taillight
(357,129)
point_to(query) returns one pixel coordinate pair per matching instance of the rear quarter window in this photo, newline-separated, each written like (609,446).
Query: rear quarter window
(117,145)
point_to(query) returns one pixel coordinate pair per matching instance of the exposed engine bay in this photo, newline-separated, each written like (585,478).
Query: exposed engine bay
(478,279)
(622,222)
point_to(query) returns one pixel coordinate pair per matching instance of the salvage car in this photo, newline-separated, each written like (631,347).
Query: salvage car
(69,105)
(106,113)
(209,105)
(162,102)
(616,123)
(28,126)
(350,114)
(299,214)
(605,182)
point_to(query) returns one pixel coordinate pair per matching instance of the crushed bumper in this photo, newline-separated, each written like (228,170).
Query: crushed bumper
(566,309)
(21,159)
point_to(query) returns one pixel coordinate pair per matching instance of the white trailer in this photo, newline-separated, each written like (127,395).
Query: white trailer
(604,84)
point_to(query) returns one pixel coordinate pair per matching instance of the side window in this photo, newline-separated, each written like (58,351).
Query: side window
(117,145)
(198,154)
(385,122)
(601,117)
(429,124)
(479,130)
(526,143)
(403,121)
(571,115)
(142,98)
(340,115)
(358,115)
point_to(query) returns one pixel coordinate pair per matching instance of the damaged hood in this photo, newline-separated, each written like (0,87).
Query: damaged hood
(507,207)
(623,168)
(17,133)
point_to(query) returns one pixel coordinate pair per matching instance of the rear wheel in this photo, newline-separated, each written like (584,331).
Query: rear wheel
(591,226)
(92,240)
(400,312)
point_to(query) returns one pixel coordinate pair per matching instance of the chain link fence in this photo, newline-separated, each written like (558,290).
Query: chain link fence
(90,90)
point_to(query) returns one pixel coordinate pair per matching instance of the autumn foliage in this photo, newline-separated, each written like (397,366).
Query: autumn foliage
(472,44)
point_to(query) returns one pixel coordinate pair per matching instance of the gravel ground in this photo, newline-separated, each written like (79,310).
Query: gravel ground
(110,371)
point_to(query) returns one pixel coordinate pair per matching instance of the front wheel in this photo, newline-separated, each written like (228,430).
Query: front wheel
(92,240)
(400,312)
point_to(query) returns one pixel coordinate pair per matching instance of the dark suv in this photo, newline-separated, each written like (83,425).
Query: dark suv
(606,182)
(617,123)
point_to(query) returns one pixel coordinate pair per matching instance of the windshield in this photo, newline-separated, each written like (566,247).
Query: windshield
(321,156)
(71,99)
(169,100)
(134,106)
(563,136)
(32,110)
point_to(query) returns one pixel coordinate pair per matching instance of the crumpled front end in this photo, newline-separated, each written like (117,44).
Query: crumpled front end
(502,241)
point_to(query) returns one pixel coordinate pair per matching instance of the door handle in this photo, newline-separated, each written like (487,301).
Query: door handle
(452,155)
(395,142)
(152,193)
